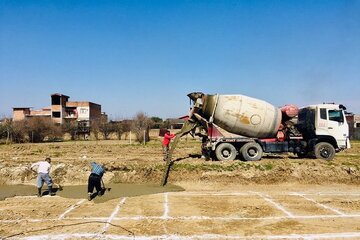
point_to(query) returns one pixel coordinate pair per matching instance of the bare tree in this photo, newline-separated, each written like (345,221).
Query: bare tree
(95,128)
(141,124)
(105,128)
(17,131)
(38,128)
(71,128)
(120,127)
(6,130)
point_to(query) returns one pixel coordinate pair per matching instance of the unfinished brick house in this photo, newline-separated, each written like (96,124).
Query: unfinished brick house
(354,126)
(62,110)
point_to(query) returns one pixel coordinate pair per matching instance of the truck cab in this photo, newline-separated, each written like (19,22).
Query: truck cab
(325,122)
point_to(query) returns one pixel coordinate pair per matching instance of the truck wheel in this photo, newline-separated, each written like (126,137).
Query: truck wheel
(225,151)
(324,150)
(251,151)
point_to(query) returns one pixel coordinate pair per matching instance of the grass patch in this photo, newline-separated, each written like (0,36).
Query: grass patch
(219,167)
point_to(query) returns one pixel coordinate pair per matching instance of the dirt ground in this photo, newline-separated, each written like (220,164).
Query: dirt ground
(279,197)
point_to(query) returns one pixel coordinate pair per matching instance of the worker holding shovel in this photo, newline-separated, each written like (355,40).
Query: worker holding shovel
(95,180)
(43,169)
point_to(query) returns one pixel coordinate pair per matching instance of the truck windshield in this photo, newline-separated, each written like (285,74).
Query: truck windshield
(336,115)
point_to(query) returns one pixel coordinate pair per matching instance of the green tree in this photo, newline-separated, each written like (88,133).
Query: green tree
(157,122)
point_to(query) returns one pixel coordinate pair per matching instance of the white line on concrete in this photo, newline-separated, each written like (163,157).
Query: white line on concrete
(187,218)
(347,235)
(277,205)
(71,208)
(320,204)
(330,194)
(166,206)
(236,218)
(116,210)
(213,193)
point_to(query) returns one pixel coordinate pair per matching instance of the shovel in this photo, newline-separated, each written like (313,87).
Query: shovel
(108,189)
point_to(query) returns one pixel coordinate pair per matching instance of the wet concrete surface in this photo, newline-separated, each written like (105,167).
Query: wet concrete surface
(112,191)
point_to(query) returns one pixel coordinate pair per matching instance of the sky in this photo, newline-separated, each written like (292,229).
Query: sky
(135,56)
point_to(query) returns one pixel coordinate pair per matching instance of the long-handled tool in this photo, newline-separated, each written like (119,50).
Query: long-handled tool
(108,189)
(187,127)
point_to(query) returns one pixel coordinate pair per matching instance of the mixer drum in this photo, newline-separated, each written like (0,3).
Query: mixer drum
(242,115)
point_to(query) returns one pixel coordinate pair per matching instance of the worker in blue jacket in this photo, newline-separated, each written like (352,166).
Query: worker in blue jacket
(97,172)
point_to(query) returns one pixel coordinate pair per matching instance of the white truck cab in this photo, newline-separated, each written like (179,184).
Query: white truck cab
(325,129)
(330,121)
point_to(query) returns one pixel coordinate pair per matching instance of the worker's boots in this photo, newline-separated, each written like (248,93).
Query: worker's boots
(39,192)
(51,193)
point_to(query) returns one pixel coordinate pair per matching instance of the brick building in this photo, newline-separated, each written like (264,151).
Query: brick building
(354,125)
(62,110)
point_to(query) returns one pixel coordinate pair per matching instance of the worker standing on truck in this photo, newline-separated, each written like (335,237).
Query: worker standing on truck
(97,172)
(43,169)
(166,142)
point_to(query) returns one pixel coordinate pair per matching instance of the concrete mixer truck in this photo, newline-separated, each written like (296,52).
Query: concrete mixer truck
(255,127)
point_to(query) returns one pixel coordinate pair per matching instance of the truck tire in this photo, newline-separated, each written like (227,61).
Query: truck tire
(251,151)
(225,151)
(325,151)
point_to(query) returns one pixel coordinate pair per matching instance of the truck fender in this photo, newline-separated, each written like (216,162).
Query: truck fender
(323,138)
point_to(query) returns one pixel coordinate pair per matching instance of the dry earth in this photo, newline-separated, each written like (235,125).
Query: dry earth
(280,197)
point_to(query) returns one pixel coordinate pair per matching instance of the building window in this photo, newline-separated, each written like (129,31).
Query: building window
(55,100)
(357,125)
(56,114)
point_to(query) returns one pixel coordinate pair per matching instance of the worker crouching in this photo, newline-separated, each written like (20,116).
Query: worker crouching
(95,179)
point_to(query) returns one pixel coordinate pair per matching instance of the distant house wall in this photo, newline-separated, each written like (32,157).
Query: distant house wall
(20,113)
(95,111)
(62,110)
(356,134)
(42,112)
(354,126)
(58,103)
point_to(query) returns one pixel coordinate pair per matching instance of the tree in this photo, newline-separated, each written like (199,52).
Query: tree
(105,128)
(17,131)
(157,122)
(37,128)
(6,130)
(95,128)
(120,127)
(141,124)
(71,128)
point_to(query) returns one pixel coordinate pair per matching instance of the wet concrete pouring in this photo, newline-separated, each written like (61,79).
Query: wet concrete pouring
(112,191)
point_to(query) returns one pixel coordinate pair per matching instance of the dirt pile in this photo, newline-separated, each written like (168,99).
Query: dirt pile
(143,164)
(265,172)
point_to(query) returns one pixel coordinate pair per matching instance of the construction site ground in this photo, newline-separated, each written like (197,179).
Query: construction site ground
(279,197)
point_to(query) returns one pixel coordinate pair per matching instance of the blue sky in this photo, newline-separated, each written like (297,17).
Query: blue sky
(132,56)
